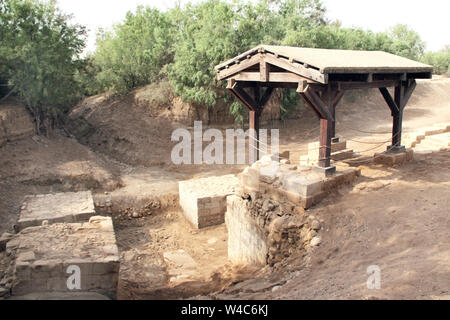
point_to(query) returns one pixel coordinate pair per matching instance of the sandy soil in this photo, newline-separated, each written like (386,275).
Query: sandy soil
(397,219)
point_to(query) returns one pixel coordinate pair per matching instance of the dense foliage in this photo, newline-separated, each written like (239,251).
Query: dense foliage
(38,54)
(440,60)
(199,36)
(40,50)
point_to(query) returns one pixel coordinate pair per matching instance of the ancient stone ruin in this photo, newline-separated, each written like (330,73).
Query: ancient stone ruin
(58,207)
(45,256)
(204,200)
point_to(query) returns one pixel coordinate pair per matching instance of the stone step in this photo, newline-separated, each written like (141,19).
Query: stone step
(313,147)
(443,139)
(342,155)
(431,145)
(430,131)
(338,146)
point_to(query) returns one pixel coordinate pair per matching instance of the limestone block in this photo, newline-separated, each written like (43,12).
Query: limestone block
(390,159)
(58,207)
(246,241)
(204,200)
(43,255)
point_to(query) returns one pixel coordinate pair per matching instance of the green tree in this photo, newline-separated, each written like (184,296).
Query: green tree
(135,52)
(39,50)
(440,60)
(406,42)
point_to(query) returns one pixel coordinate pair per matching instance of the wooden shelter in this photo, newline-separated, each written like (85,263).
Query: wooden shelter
(321,77)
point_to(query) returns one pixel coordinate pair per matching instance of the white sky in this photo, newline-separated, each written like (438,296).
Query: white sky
(430,18)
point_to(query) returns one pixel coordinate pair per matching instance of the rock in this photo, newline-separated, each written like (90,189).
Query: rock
(277,225)
(45,223)
(253,196)
(135,214)
(212,240)
(267,205)
(316,241)
(4,239)
(26,256)
(275,288)
(311,234)
(129,255)
(315,225)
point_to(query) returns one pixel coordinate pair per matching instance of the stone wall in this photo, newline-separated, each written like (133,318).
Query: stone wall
(290,183)
(44,254)
(263,231)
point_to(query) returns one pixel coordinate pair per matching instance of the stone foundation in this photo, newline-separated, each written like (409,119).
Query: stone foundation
(285,182)
(58,207)
(44,254)
(261,231)
(390,158)
(204,200)
(339,152)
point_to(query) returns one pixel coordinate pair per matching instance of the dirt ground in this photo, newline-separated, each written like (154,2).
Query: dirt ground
(395,218)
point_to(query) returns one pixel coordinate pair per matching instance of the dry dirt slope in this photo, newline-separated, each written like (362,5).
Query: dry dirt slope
(395,218)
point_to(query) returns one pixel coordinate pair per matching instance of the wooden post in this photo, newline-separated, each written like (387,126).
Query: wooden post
(397,119)
(333,121)
(325,143)
(327,128)
(254,116)
(402,93)
(323,107)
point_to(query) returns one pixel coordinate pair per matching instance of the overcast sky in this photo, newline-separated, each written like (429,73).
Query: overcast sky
(430,18)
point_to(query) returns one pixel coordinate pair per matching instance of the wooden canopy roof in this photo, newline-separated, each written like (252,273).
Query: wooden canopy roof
(321,77)
(320,65)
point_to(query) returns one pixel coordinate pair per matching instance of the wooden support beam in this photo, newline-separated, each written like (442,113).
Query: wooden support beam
(326,130)
(310,105)
(353,85)
(271,77)
(257,96)
(397,119)
(297,68)
(325,143)
(254,116)
(244,64)
(266,96)
(302,85)
(241,95)
(315,99)
(338,97)
(411,86)
(264,70)
(402,93)
(390,102)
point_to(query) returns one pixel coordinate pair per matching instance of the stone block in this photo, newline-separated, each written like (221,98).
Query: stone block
(390,158)
(204,200)
(59,207)
(302,186)
(43,255)
(246,241)
(338,146)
